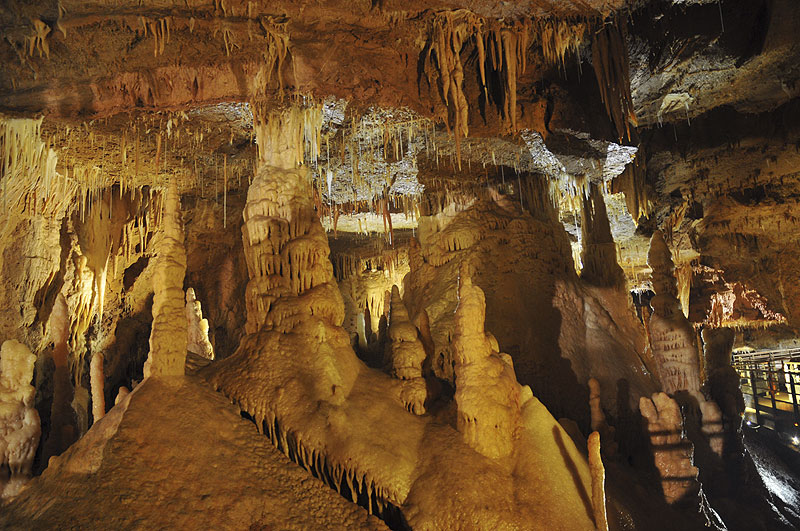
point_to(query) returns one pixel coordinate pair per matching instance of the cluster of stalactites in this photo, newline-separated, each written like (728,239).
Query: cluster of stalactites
(671,335)
(406,354)
(502,51)
(487,393)
(287,137)
(20,428)
(611,68)
(29,181)
(168,337)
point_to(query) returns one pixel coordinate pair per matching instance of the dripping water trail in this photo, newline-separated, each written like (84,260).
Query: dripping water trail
(352,489)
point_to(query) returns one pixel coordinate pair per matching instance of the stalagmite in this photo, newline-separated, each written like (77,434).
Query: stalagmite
(672,452)
(406,354)
(62,423)
(98,386)
(671,334)
(169,334)
(19,422)
(122,392)
(599,423)
(598,483)
(198,342)
(487,392)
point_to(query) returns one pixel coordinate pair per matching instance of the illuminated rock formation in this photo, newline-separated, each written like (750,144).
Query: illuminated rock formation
(98,387)
(671,451)
(198,342)
(722,380)
(671,335)
(598,482)
(406,355)
(169,334)
(523,263)
(19,422)
(487,392)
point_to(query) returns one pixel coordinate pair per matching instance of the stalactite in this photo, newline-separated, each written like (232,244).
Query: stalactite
(611,68)
(599,256)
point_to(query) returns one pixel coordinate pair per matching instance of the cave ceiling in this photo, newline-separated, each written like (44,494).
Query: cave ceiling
(164,90)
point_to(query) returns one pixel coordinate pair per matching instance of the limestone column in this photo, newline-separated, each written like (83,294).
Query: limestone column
(168,337)
(286,248)
(671,335)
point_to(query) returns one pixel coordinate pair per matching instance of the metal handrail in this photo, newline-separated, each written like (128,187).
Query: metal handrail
(785,354)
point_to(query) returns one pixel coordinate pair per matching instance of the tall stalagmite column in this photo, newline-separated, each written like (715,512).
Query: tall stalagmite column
(671,334)
(487,392)
(168,337)
(285,246)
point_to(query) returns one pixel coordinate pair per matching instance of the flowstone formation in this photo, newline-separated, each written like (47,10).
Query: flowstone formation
(19,422)
(487,392)
(406,355)
(671,334)
(169,333)
(297,376)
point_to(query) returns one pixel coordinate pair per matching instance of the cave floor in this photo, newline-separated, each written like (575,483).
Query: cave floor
(175,454)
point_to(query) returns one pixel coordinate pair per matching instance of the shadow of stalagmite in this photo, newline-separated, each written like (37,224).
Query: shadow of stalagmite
(573,470)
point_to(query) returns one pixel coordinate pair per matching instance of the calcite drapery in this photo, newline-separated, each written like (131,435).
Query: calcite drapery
(487,392)
(406,355)
(20,428)
(169,333)
(671,334)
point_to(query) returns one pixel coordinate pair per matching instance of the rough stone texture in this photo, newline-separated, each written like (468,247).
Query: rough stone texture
(671,335)
(169,334)
(672,453)
(234,481)
(19,422)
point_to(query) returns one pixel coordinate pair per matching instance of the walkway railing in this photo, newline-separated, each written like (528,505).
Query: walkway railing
(770,382)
